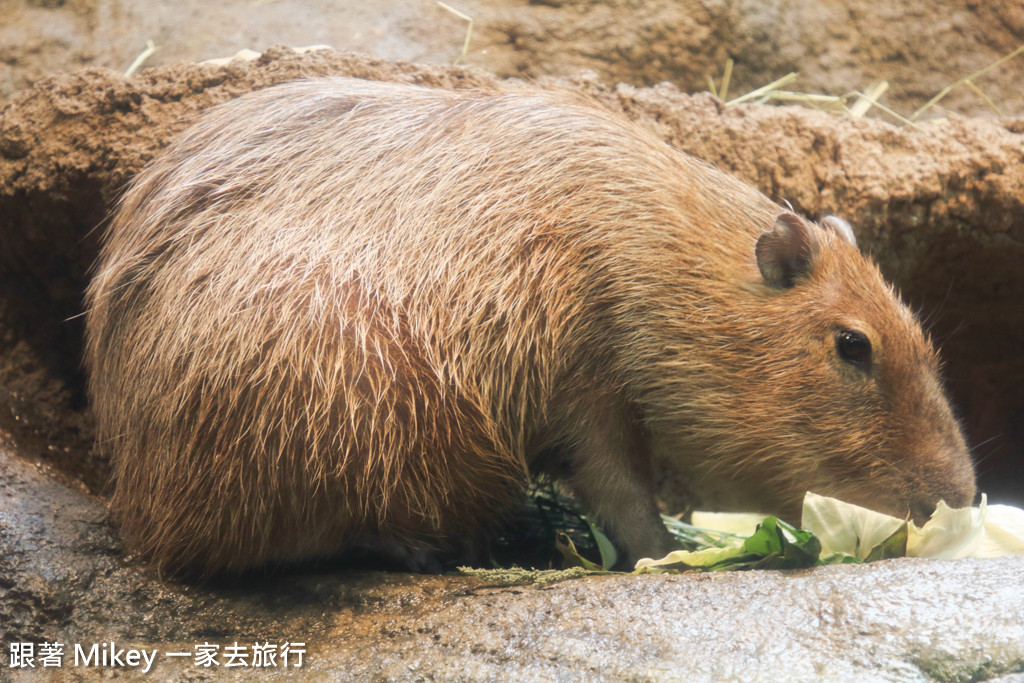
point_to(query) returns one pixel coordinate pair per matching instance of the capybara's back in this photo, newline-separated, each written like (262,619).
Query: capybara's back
(338,315)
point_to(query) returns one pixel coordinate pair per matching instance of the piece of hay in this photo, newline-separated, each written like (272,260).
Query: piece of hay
(469,28)
(151,47)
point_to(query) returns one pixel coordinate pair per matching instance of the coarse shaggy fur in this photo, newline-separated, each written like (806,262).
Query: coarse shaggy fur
(340,315)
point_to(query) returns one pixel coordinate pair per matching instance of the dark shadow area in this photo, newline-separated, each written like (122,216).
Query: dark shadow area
(969,296)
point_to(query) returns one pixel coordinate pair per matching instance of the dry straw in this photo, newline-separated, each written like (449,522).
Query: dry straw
(969,82)
(151,47)
(854,103)
(469,28)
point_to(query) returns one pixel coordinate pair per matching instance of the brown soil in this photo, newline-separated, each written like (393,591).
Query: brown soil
(919,48)
(940,209)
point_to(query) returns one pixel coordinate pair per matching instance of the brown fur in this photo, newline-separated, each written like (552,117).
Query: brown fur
(338,314)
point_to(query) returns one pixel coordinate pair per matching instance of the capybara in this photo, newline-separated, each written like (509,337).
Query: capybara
(338,316)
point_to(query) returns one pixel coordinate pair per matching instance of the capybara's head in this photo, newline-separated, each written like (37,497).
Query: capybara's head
(817,377)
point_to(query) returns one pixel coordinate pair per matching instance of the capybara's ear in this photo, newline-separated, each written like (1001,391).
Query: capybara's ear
(785,252)
(839,227)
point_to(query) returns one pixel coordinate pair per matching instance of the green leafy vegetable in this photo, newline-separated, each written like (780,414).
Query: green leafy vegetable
(774,545)
(894,546)
(571,557)
(834,533)
(609,556)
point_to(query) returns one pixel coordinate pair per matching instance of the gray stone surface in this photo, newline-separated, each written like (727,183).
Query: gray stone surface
(62,578)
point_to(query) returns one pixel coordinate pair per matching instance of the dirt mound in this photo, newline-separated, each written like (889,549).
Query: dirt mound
(941,209)
(836,46)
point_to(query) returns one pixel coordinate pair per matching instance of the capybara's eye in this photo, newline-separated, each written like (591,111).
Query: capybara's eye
(854,347)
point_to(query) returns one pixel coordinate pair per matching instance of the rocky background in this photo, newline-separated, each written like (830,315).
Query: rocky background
(938,204)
